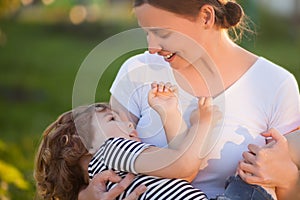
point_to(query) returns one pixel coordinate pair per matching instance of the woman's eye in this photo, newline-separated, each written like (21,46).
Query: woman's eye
(163,33)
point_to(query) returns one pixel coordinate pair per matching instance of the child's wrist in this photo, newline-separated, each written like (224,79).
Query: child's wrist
(168,113)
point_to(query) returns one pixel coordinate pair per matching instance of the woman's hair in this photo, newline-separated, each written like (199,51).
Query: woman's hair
(58,173)
(228,14)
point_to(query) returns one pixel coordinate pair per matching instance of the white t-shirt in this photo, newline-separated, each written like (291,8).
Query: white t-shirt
(265,96)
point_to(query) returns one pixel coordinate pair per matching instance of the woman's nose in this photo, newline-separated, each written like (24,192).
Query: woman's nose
(153,45)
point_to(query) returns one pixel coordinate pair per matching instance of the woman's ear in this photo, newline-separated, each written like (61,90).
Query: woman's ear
(207,16)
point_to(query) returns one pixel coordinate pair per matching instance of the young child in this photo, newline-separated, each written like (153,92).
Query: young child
(96,130)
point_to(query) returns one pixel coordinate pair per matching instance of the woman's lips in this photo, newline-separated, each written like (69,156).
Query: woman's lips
(169,57)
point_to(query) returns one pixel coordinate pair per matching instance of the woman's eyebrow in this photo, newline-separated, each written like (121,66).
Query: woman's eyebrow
(156,29)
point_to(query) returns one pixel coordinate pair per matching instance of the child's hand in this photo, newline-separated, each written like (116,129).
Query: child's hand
(206,112)
(163,97)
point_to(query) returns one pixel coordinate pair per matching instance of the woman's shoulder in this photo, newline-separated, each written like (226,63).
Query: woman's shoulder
(268,66)
(269,70)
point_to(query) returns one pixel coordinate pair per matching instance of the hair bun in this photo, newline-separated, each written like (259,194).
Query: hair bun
(234,13)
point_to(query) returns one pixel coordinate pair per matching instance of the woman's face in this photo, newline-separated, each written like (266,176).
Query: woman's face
(178,39)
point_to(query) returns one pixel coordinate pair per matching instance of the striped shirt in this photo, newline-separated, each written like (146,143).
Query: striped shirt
(119,155)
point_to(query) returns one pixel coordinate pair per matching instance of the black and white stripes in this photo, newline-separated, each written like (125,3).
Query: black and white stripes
(119,154)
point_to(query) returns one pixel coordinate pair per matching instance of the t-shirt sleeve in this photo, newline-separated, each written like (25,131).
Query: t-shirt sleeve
(286,106)
(128,83)
(120,154)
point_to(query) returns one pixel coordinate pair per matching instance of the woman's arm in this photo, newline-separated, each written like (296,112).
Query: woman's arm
(163,98)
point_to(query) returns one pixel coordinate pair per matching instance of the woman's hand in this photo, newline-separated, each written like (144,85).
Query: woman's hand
(96,189)
(270,166)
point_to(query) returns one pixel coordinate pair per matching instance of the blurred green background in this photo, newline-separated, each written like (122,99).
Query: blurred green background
(44,42)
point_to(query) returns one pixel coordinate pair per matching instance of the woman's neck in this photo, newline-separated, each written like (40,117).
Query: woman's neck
(224,63)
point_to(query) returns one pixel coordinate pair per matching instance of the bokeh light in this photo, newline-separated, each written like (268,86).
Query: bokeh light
(47,2)
(78,14)
(26,2)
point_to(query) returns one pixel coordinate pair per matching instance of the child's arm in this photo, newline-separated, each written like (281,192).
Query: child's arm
(136,157)
(163,98)
(180,160)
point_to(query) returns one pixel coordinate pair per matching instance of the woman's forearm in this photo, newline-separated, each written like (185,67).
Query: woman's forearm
(291,192)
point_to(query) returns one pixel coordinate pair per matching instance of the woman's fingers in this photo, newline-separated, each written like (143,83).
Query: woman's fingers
(274,135)
(254,149)
(136,193)
(121,186)
(97,187)
(248,177)
(100,179)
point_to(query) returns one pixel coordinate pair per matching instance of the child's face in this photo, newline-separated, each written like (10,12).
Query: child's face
(108,123)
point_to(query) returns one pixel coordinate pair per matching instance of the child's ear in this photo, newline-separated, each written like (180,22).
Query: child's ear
(92,150)
(207,16)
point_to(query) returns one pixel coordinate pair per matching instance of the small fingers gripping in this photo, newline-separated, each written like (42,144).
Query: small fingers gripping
(206,112)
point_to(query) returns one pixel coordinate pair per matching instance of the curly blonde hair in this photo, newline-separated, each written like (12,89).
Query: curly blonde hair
(58,173)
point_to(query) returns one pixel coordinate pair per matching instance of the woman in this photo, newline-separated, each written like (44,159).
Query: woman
(189,45)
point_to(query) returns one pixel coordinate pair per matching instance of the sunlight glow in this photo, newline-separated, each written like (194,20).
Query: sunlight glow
(26,2)
(47,2)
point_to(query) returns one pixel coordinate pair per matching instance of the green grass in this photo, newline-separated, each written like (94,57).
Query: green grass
(38,67)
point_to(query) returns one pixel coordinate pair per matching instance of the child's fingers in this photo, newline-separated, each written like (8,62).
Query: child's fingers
(161,87)
(201,101)
(205,101)
(153,90)
(167,87)
(174,89)
(154,85)
(208,101)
